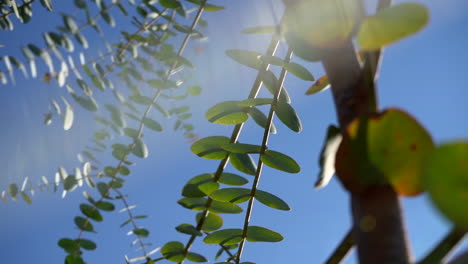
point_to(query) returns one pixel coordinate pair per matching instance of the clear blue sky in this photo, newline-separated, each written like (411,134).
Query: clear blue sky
(426,75)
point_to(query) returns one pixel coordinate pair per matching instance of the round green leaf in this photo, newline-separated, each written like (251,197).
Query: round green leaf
(84,224)
(271,200)
(299,71)
(210,147)
(212,222)
(188,229)
(91,212)
(69,245)
(260,118)
(243,162)
(232,179)
(255,102)
(288,116)
(245,57)
(261,234)
(232,195)
(392,24)
(70,183)
(196,204)
(279,161)
(445,178)
(196,257)
(241,148)
(320,85)
(194,90)
(173,251)
(13,190)
(224,237)
(140,149)
(141,232)
(396,146)
(151,124)
(191,188)
(219,207)
(226,113)
(105,206)
(86,244)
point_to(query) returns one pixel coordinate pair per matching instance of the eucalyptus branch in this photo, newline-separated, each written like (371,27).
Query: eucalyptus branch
(12,11)
(263,148)
(445,246)
(131,218)
(340,252)
(234,136)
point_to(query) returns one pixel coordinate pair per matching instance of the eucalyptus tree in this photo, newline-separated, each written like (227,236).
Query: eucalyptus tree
(377,154)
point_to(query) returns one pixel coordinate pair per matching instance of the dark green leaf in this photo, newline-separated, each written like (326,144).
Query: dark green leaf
(279,161)
(84,224)
(261,234)
(213,8)
(196,204)
(105,206)
(232,195)
(288,116)
(224,237)
(260,118)
(191,188)
(86,244)
(241,148)
(210,147)
(70,183)
(243,162)
(232,179)
(69,245)
(141,232)
(91,212)
(13,190)
(271,200)
(26,197)
(188,229)
(196,257)
(170,3)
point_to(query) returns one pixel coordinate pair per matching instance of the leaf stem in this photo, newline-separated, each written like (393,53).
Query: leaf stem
(443,248)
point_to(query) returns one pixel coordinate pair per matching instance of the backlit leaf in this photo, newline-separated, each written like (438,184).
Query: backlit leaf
(227,113)
(241,148)
(321,84)
(445,178)
(245,57)
(210,147)
(212,222)
(140,149)
(299,71)
(173,251)
(392,24)
(260,30)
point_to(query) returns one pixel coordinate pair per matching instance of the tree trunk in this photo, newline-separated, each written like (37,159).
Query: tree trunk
(377,222)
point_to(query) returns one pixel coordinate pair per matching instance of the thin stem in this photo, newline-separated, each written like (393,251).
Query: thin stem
(234,136)
(343,249)
(263,148)
(445,246)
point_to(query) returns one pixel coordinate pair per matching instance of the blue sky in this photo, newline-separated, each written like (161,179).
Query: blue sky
(425,75)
